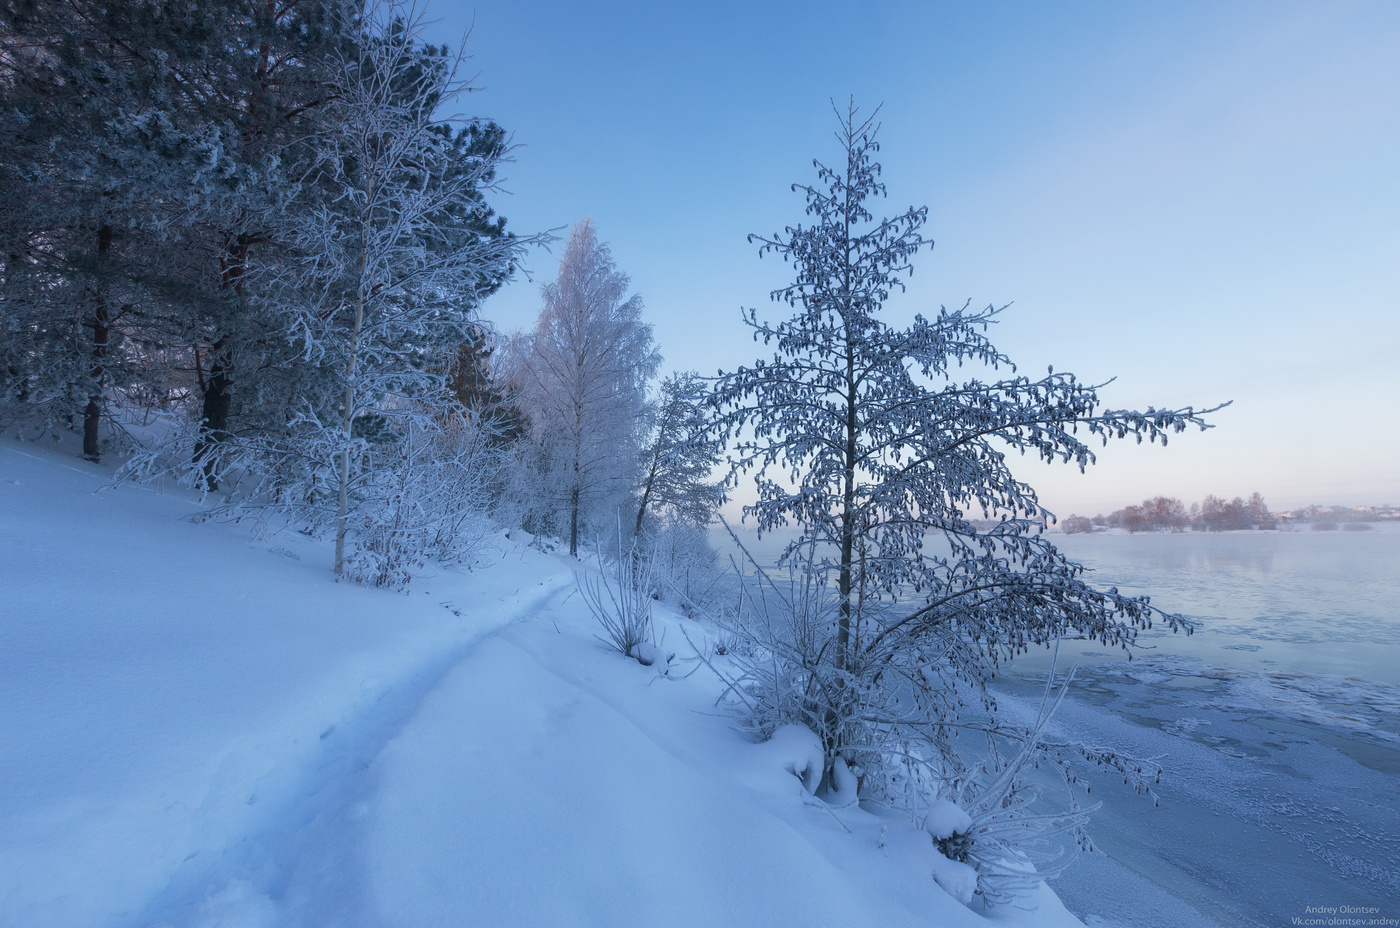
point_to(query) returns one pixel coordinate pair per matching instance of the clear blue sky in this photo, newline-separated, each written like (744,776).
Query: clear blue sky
(1201,199)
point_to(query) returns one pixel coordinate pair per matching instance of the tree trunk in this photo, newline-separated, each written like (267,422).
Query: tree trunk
(214,411)
(218,384)
(348,423)
(652,470)
(101,333)
(642,506)
(848,477)
(573,516)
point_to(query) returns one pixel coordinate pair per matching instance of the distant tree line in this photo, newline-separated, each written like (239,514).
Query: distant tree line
(1169,514)
(1330,518)
(1215,514)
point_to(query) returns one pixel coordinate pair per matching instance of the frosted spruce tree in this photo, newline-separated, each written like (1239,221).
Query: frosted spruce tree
(920,558)
(582,377)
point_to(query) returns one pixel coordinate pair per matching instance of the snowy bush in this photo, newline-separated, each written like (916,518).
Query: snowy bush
(430,502)
(418,491)
(993,827)
(783,672)
(622,603)
(685,567)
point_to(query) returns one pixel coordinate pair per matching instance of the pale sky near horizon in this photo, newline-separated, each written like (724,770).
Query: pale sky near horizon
(1199,199)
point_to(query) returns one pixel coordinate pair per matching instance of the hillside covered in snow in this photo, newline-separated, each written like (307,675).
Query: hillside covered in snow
(202,728)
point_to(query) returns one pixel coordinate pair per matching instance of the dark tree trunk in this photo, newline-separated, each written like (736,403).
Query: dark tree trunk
(101,333)
(214,412)
(848,478)
(217,381)
(652,472)
(573,520)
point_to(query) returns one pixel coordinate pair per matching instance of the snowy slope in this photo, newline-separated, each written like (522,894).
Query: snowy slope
(198,729)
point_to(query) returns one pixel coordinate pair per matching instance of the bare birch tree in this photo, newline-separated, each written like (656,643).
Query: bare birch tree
(583,384)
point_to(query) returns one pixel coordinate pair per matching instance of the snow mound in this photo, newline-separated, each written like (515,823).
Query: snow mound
(649,655)
(957,878)
(798,751)
(944,819)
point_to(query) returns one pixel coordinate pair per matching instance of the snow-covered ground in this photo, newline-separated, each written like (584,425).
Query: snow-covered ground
(200,728)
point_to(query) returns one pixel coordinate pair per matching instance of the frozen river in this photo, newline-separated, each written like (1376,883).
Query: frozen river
(1277,724)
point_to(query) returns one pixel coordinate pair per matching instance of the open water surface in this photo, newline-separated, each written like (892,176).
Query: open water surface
(1277,725)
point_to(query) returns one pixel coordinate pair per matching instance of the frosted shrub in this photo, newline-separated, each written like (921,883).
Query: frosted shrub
(621,604)
(781,631)
(685,566)
(418,490)
(428,502)
(889,725)
(1011,846)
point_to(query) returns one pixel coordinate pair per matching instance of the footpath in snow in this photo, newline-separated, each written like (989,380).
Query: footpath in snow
(201,729)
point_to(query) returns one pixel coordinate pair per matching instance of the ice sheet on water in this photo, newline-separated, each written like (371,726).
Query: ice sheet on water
(1184,725)
(1259,816)
(1362,707)
(1281,789)
(1365,708)
(1304,627)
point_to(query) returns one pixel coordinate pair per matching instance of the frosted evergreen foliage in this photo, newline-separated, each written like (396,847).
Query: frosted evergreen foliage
(163,166)
(388,247)
(919,561)
(95,240)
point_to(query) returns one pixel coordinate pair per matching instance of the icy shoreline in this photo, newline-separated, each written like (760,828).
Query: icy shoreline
(1279,722)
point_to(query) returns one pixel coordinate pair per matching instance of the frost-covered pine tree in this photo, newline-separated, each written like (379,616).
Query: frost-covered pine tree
(377,246)
(100,145)
(922,557)
(268,92)
(582,379)
(157,147)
